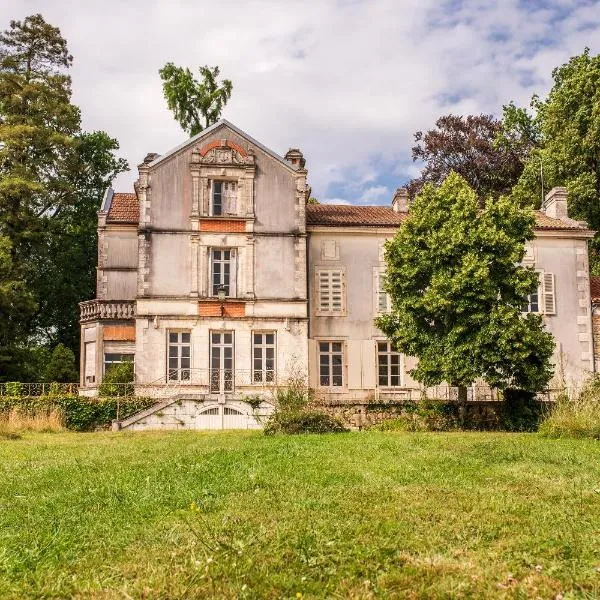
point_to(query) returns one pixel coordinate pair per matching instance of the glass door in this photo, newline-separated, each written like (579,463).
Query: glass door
(221,361)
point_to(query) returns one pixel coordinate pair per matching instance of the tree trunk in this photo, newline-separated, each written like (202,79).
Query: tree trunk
(462,405)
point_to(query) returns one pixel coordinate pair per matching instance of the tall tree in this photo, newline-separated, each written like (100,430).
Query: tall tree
(467,146)
(195,104)
(567,127)
(50,179)
(457,289)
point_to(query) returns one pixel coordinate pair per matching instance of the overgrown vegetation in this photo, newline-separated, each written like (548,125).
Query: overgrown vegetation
(118,380)
(295,413)
(578,417)
(360,515)
(78,412)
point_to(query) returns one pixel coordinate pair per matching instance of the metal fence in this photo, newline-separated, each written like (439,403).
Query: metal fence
(13,388)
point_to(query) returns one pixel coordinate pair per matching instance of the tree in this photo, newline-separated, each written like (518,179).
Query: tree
(567,128)
(195,104)
(469,147)
(61,367)
(457,289)
(51,178)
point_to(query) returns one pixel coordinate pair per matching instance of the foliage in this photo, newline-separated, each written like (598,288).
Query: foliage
(118,380)
(195,104)
(14,388)
(426,415)
(294,396)
(457,288)
(44,420)
(521,411)
(313,200)
(61,367)
(51,178)
(577,418)
(360,515)
(467,146)
(566,127)
(80,413)
(303,421)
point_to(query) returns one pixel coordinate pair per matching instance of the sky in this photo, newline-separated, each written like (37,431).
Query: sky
(349,82)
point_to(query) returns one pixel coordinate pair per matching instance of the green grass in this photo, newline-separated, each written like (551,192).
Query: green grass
(358,515)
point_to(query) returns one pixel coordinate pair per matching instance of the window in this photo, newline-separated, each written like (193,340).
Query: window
(179,355)
(543,300)
(221,361)
(384,301)
(389,365)
(263,357)
(115,358)
(231,411)
(223,198)
(330,364)
(222,272)
(330,291)
(90,362)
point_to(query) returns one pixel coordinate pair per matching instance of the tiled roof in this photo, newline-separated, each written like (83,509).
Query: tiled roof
(124,208)
(345,215)
(595,288)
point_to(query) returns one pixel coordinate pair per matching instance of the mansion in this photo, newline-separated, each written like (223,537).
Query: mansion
(220,281)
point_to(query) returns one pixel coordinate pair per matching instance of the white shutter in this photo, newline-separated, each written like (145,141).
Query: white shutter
(330,290)
(549,294)
(229,197)
(354,364)
(233,270)
(368,364)
(90,362)
(313,364)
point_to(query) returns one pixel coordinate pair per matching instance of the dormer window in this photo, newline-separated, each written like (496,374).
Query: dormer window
(223,198)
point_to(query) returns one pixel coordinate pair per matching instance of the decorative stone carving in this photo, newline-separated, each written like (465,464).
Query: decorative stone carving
(223,156)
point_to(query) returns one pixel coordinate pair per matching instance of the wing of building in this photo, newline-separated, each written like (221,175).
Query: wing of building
(219,280)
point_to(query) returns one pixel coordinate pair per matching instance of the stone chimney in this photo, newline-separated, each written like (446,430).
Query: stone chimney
(555,204)
(295,158)
(401,201)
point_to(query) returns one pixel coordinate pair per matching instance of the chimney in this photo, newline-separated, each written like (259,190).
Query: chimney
(555,204)
(295,158)
(401,201)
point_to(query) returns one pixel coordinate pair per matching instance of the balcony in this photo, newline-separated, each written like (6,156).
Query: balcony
(97,310)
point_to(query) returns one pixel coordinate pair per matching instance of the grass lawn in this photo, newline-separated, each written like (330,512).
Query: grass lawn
(358,515)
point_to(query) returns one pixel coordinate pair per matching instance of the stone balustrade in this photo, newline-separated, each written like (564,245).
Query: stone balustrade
(94,310)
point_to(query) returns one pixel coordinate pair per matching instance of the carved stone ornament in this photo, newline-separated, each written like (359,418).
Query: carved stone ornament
(223,156)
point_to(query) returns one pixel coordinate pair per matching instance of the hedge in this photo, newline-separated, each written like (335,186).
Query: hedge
(81,413)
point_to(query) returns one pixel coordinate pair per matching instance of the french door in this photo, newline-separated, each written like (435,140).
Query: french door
(221,361)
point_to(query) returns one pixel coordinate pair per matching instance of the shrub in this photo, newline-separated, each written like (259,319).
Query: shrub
(426,415)
(80,413)
(578,418)
(292,422)
(13,388)
(521,411)
(294,396)
(61,367)
(118,380)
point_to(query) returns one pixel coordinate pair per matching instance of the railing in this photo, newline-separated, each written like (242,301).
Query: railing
(93,310)
(37,389)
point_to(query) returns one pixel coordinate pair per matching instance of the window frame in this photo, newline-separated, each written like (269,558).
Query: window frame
(527,304)
(263,358)
(228,386)
(389,353)
(330,353)
(319,270)
(180,344)
(231,286)
(379,278)
(105,364)
(223,183)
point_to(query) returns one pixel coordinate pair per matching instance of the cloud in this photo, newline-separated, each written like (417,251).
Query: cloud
(348,82)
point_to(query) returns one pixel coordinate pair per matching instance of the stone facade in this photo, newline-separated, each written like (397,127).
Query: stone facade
(222,282)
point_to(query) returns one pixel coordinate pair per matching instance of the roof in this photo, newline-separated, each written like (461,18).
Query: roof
(345,215)
(211,129)
(348,215)
(124,208)
(595,288)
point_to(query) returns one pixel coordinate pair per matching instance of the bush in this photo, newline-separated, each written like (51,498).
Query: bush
(578,418)
(295,396)
(61,367)
(80,413)
(426,415)
(292,422)
(118,380)
(521,411)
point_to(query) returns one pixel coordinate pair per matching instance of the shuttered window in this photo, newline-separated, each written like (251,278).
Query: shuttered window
(543,300)
(389,365)
(330,291)
(223,198)
(331,359)
(549,294)
(383,301)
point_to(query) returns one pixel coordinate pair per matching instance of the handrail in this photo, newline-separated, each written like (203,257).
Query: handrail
(92,310)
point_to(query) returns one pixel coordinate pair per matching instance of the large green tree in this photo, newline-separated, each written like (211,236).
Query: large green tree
(196,104)
(565,134)
(457,289)
(51,178)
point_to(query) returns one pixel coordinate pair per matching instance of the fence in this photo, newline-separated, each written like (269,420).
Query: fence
(14,388)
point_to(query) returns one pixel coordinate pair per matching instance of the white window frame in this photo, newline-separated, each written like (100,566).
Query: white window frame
(179,373)
(262,347)
(106,363)
(330,353)
(232,287)
(328,308)
(546,295)
(389,353)
(229,196)
(222,378)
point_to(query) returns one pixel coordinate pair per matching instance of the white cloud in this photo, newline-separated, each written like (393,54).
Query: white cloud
(348,82)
